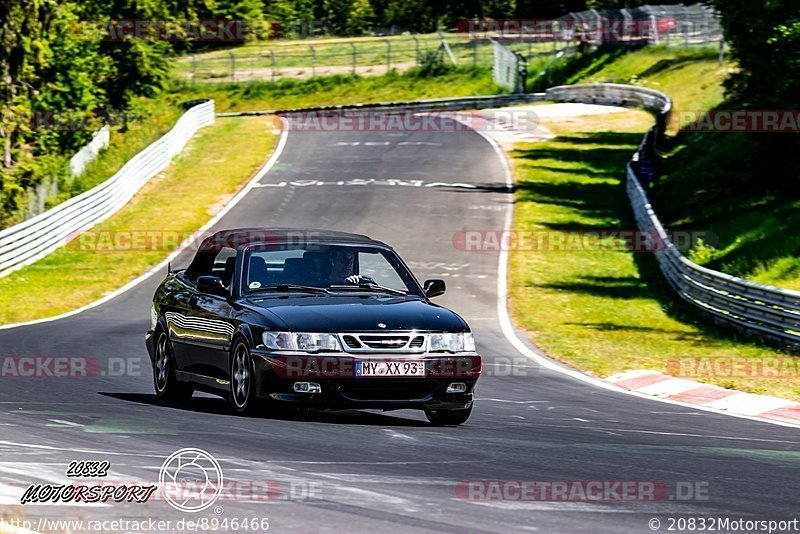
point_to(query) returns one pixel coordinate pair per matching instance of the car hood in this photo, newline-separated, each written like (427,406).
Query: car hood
(358,313)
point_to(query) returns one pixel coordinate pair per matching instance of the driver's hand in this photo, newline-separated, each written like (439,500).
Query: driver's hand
(354,278)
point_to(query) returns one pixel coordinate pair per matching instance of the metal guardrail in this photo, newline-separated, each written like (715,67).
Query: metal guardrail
(100,140)
(33,239)
(768,312)
(431,104)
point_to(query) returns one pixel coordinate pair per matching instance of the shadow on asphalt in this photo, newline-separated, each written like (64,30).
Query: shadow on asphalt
(219,406)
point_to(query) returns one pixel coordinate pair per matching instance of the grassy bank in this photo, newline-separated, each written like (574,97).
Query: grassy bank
(716,183)
(216,163)
(599,307)
(415,84)
(692,77)
(606,309)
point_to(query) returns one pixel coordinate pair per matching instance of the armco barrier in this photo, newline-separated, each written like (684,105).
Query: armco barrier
(33,239)
(431,104)
(768,312)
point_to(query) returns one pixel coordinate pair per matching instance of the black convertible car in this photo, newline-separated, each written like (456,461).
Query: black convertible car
(316,318)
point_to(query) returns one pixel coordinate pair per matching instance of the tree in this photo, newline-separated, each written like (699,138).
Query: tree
(360,15)
(765,42)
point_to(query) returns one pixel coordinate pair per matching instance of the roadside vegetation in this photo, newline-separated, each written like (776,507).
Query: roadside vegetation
(432,81)
(603,309)
(217,162)
(705,179)
(606,311)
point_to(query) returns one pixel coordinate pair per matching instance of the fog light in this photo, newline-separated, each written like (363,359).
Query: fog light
(457,387)
(306,387)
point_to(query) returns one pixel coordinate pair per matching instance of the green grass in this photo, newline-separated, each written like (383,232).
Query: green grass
(604,311)
(754,233)
(345,89)
(215,164)
(692,77)
(149,119)
(708,182)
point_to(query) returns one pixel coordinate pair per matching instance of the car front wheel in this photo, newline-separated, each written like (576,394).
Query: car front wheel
(448,417)
(167,385)
(242,396)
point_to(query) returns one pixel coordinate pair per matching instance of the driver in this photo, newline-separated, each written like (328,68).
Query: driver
(342,266)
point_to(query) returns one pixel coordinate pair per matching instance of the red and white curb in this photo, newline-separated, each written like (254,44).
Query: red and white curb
(708,396)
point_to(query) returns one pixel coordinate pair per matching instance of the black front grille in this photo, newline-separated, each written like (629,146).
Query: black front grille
(387,389)
(385,342)
(417,342)
(351,342)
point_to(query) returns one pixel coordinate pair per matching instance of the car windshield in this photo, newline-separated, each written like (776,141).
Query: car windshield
(336,268)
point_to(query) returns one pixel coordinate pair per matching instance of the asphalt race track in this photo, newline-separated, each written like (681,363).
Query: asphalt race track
(386,472)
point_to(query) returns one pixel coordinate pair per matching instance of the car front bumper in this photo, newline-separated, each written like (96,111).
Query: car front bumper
(275,374)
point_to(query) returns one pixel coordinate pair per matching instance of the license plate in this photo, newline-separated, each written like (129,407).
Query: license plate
(390,368)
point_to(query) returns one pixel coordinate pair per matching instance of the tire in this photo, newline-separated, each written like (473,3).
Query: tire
(448,417)
(166,384)
(242,394)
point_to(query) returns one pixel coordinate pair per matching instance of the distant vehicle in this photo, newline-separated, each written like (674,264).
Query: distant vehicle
(310,318)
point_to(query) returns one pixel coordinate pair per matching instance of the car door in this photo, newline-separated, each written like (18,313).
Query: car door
(209,318)
(213,328)
(201,326)
(176,303)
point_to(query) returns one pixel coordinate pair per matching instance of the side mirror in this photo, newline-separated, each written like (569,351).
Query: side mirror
(434,287)
(212,285)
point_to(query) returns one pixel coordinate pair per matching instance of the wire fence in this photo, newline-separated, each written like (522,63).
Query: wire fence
(258,61)
(470,44)
(671,25)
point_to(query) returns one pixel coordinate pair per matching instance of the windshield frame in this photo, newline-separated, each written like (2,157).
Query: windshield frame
(394,259)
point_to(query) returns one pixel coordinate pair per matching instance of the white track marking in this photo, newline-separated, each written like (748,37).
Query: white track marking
(361,182)
(508,328)
(749,404)
(160,267)
(67,423)
(669,387)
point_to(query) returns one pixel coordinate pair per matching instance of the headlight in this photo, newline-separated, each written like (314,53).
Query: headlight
(301,341)
(317,342)
(452,342)
(279,341)
(469,342)
(153,318)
